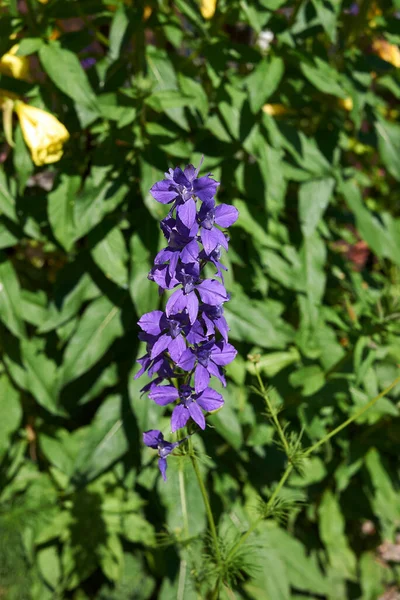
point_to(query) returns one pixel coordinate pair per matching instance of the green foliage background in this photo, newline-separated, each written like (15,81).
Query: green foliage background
(313,271)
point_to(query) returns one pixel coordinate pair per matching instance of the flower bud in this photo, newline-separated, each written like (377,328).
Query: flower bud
(43,133)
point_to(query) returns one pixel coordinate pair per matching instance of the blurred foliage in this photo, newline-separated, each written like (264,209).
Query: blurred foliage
(295,109)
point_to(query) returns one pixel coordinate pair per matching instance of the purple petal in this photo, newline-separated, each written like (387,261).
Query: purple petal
(209,239)
(210,329)
(176,302)
(212,292)
(223,354)
(205,187)
(217,372)
(152,438)
(223,328)
(150,322)
(163,256)
(163,192)
(187,213)
(180,177)
(160,274)
(162,465)
(190,172)
(201,378)
(210,400)
(226,215)
(160,345)
(164,394)
(145,362)
(180,417)
(176,348)
(192,306)
(190,252)
(187,360)
(197,415)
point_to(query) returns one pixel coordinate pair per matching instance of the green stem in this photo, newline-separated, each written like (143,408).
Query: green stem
(206,501)
(182,492)
(272,412)
(352,418)
(289,468)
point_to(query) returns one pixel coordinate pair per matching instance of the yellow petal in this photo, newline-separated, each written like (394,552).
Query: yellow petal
(14,66)
(43,133)
(207,8)
(275,109)
(388,52)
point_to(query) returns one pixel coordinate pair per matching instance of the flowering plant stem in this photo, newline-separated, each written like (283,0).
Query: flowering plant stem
(307,452)
(273,412)
(206,501)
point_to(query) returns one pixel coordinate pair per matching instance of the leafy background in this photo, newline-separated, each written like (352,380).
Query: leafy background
(303,134)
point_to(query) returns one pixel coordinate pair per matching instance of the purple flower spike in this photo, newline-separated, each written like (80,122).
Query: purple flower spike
(187,344)
(155,439)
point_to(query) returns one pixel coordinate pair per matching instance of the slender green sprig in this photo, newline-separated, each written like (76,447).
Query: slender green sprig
(305,454)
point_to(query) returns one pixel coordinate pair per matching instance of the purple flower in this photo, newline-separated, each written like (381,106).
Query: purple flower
(187,335)
(163,333)
(183,185)
(207,359)
(190,404)
(155,439)
(210,215)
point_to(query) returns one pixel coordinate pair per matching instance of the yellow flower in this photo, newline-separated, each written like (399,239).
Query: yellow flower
(388,52)
(43,133)
(275,110)
(14,66)
(207,8)
(346,103)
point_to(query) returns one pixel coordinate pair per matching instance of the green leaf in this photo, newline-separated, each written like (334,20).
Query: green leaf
(332,531)
(181,473)
(7,200)
(263,81)
(314,197)
(259,316)
(111,255)
(29,46)
(385,500)
(104,444)
(119,26)
(311,379)
(100,196)
(71,79)
(49,565)
(324,78)
(22,160)
(11,412)
(137,530)
(60,209)
(302,571)
(142,290)
(10,298)
(41,377)
(99,326)
(389,145)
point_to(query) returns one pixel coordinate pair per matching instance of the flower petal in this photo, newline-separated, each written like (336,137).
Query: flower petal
(210,400)
(150,322)
(162,465)
(205,187)
(187,360)
(180,417)
(226,215)
(201,378)
(160,345)
(164,394)
(197,415)
(186,213)
(152,438)
(212,292)
(163,192)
